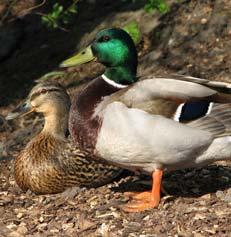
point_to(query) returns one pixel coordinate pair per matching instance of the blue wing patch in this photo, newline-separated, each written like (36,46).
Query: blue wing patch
(194,110)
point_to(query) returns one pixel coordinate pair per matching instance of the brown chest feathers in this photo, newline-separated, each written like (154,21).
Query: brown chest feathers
(84,125)
(50,165)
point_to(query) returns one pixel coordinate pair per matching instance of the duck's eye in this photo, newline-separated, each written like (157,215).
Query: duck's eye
(43,91)
(104,38)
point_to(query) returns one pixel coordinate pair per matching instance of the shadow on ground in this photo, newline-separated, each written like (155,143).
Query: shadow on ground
(35,50)
(190,183)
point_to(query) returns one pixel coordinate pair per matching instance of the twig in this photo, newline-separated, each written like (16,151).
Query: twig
(5,124)
(58,26)
(74,3)
(32,8)
(92,227)
(22,13)
(7,11)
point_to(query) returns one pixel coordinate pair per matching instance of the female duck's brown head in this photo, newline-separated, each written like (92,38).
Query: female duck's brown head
(50,99)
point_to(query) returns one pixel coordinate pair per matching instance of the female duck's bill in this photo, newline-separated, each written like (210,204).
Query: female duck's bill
(21,110)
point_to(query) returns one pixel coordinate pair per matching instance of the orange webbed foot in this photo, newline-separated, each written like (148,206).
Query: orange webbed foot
(141,202)
(145,200)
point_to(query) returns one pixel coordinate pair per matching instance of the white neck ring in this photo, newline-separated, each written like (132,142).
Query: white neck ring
(113,83)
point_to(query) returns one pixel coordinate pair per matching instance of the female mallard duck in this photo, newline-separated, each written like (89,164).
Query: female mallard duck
(150,125)
(49,163)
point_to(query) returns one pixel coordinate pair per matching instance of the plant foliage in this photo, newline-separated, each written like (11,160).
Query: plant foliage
(133,30)
(159,5)
(60,16)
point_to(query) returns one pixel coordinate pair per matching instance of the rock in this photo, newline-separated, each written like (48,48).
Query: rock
(227,197)
(204,21)
(22,229)
(206,196)
(220,195)
(15,234)
(198,235)
(10,37)
(104,230)
(19,215)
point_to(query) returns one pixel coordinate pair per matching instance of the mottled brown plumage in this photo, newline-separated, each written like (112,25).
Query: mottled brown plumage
(50,163)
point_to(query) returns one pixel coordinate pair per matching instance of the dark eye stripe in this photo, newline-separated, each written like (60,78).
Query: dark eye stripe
(42,91)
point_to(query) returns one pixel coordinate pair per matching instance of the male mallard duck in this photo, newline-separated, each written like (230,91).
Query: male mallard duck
(151,125)
(49,163)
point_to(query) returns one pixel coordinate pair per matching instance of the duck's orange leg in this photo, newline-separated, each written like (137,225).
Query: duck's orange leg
(146,200)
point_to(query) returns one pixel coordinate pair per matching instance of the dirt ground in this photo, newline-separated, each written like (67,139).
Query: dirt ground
(193,38)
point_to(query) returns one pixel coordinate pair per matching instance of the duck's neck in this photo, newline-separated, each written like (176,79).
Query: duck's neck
(123,75)
(92,95)
(83,122)
(56,124)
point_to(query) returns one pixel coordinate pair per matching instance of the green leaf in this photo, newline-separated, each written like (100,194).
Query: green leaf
(159,5)
(72,9)
(163,7)
(133,30)
(59,15)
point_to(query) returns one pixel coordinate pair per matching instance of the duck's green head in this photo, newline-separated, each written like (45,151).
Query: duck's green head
(115,49)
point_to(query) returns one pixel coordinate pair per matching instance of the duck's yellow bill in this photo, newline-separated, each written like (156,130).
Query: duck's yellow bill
(84,56)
